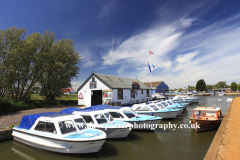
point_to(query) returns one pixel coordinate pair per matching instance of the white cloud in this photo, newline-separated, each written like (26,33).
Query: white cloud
(182,56)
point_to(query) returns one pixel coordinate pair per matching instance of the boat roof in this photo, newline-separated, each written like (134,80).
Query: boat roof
(28,120)
(89,112)
(207,109)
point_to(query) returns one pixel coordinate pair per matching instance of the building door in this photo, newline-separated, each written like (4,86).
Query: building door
(96,97)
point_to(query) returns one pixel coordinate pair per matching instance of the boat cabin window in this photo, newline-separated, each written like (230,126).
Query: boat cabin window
(100,118)
(211,113)
(109,117)
(168,102)
(219,113)
(161,106)
(153,107)
(80,123)
(116,115)
(66,126)
(143,108)
(165,104)
(129,113)
(46,127)
(88,119)
(200,113)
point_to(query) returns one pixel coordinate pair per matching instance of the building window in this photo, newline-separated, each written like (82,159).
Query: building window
(93,78)
(132,93)
(147,93)
(141,91)
(120,93)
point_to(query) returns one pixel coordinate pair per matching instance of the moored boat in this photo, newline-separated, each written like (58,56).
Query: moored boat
(58,133)
(102,120)
(206,118)
(154,110)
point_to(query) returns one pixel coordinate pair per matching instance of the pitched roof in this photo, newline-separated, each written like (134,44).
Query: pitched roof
(154,84)
(65,90)
(115,82)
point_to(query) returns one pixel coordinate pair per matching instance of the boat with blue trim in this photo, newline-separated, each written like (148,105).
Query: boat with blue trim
(153,110)
(57,132)
(102,120)
(126,114)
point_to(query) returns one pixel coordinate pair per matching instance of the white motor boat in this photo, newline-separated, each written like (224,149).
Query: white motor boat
(139,122)
(102,120)
(165,105)
(177,99)
(187,97)
(229,99)
(152,110)
(59,133)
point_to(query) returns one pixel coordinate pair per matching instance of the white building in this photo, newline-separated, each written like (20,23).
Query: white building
(106,89)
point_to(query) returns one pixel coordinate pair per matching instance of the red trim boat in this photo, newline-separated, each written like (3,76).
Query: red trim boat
(206,118)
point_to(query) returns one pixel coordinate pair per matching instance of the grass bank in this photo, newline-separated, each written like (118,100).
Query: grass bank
(36,101)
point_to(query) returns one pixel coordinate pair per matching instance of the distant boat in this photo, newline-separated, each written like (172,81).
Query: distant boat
(58,133)
(208,118)
(221,94)
(229,99)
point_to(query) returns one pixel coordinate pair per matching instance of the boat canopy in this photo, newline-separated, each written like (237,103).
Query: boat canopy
(70,110)
(28,120)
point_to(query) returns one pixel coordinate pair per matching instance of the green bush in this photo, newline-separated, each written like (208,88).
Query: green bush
(8,105)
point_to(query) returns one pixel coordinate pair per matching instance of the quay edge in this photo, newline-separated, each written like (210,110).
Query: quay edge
(213,151)
(5,134)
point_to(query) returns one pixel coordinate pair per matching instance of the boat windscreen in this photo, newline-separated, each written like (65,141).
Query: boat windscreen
(129,113)
(80,123)
(160,106)
(100,118)
(154,107)
(66,126)
(169,102)
(109,117)
(164,103)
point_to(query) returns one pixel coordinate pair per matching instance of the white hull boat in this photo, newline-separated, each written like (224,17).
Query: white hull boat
(58,133)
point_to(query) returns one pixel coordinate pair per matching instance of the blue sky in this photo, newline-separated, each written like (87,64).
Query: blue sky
(190,39)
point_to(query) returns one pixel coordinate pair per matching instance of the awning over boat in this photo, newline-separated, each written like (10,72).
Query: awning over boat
(28,120)
(70,110)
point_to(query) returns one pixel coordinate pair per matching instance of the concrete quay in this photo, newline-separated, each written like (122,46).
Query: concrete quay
(226,143)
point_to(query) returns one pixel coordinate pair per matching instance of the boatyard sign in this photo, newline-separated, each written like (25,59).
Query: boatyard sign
(135,85)
(93,84)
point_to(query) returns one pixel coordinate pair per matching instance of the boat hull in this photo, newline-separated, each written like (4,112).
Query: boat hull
(205,125)
(56,145)
(116,132)
(164,115)
(149,125)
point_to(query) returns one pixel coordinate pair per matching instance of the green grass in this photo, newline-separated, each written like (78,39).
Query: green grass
(36,101)
(63,97)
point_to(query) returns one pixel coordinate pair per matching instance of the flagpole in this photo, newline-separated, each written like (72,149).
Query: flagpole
(150,73)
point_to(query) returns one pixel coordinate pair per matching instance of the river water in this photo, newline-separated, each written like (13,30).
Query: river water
(181,143)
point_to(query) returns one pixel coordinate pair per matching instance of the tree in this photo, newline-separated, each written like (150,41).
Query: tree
(201,85)
(221,84)
(210,86)
(36,59)
(18,65)
(60,65)
(234,86)
(180,90)
(239,87)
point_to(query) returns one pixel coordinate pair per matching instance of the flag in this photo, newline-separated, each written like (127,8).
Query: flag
(150,52)
(149,67)
(153,66)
